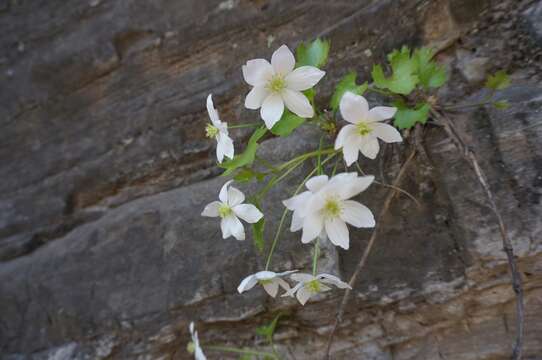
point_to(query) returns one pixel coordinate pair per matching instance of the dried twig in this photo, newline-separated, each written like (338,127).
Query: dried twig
(470,156)
(389,197)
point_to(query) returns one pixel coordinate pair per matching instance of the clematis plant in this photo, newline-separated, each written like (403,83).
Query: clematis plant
(269,280)
(218,130)
(310,285)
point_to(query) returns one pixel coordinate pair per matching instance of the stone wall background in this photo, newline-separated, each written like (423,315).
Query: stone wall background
(105,170)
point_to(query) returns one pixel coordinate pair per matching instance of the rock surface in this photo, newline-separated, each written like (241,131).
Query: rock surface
(105,171)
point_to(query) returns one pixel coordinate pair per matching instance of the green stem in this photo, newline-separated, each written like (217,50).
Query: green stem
(320,155)
(315,255)
(306,156)
(241,351)
(239,126)
(464,106)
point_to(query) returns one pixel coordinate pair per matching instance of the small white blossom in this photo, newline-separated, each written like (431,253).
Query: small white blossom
(230,208)
(325,208)
(277,84)
(268,279)
(365,128)
(309,285)
(194,347)
(218,130)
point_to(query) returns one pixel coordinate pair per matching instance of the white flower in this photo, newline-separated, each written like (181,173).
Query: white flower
(278,84)
(268,279)
(194,347)
(218,130)
(309,285)
(365,128)
(229,208)
(325,208)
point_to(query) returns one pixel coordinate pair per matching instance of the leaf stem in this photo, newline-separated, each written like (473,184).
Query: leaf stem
(239,126)
(315,255)
(241,351)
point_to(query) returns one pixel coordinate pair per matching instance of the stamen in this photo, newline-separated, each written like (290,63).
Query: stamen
(313,286)
(211,131)
(332,208)
(224,210)
(363,128)
(277,84)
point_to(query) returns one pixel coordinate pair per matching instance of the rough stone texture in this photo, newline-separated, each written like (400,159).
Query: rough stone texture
(105,170)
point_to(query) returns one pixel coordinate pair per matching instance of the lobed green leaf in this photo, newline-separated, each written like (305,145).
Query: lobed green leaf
(314,53)
(406,117)
(347,83)
(498,81)
(287,123)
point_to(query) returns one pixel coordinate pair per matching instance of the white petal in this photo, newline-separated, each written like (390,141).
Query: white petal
(297,202)
(312,226)
(303,295)
(223,195)
(235,196)
(247,283)
(225,143)
(191,328)
(213,114)
(352,187)
(199,355)
(297,222)
(234,226)
(285,273)
(271,288)
(337,232)
(357,215)
(293,290)
(225,228)
(211,210)
(297,103)
(304,278)
(283,284)
(354,108)
(255,97)
(344,133)
(316,183)
(265,275)
(248,212)
(272,109)
(283,60)
(304,78)
(370,147)
(257,72)
(379,113)
(386,132)
(331,279)
(351,148)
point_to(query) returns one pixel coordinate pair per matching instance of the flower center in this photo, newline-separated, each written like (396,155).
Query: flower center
(276,84)
(313,286)
(265,281)
(363,128)
(332,208)
(211,131)
(191,347)
(224,210)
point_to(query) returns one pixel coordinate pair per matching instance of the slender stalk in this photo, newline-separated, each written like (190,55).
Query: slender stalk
(315,256)
(320,155)
(239,126)
(241,351)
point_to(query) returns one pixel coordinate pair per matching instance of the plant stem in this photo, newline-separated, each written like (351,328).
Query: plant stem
(241,351)
(320,155)
(239,126)
(315,255)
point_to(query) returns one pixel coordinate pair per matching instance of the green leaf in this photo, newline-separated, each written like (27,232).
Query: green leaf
(247,157)
(268,330)
(403,79)
(430,73)
(246,174)
(313,54)
(406,118)
(498,81)
(257,230)
(501,105)
(287,123)
(310,94)
(347,83)
(247,357)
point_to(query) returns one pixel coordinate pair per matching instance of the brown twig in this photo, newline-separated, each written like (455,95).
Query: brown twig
(470,156)
(389,197)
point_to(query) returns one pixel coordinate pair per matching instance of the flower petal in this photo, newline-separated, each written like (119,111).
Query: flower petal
(255,97)
(225,144)
(235,196)
(213,114)
(223,195)
(337,231)
(386,132)
(332,279)
(316,183)
(344,133)
(357,215)
(297,222)
(353,186)
(303,295)
(248,283)
(293,290)
(211,210)
(351,148)
(379,113)
(283,284)
(370,148)
(248,212)
(225,228)
(297,103)
(257,72)
(234,226)
(354,108)
(304,78)
(296,202)
(312,226)
(283,60)
(272,109)
(300,277)
(271,288)
(265,275)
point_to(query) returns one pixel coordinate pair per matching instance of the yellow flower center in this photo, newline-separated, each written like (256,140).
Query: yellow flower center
(211,131)
(313,286)
(277,84)
(224,210)
(332,208)
(363,128)
(191,347)
(265,281)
